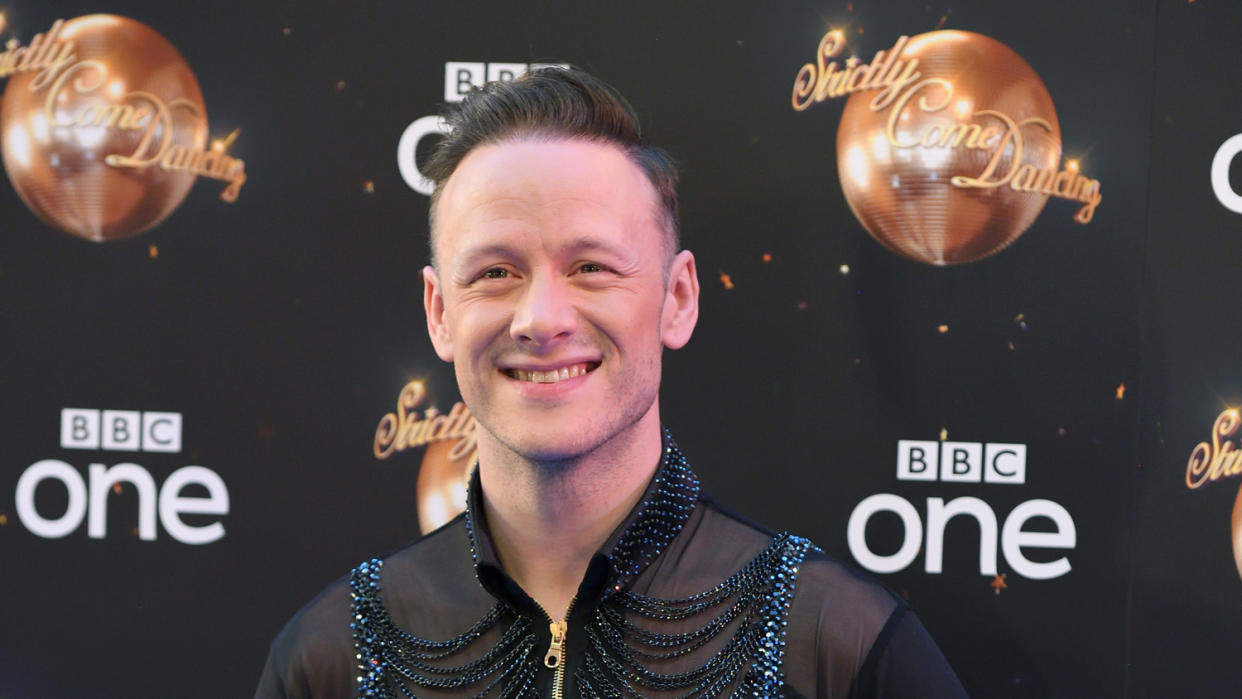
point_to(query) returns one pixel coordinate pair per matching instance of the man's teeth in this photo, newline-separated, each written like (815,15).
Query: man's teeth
(552,376)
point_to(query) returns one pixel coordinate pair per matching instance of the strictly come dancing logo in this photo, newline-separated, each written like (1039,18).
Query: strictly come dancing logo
(1218,458)
(448,443)
(103,128)
(948,146)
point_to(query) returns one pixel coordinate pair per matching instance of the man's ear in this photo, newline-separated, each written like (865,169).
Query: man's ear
(681,302)
(433,303)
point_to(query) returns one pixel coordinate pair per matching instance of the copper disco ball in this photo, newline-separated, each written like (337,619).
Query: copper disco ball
(127,93)
(441,486)
(903,194)
(1236,530)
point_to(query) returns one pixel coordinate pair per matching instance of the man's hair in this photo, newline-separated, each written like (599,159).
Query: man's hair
(553,103)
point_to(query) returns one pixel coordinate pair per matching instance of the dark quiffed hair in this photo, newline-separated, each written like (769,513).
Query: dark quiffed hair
(553,102)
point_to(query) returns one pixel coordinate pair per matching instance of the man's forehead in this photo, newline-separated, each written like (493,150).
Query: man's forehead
(512,182)
(536,169)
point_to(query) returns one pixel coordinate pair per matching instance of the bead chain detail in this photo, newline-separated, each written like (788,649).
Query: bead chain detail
(755,599)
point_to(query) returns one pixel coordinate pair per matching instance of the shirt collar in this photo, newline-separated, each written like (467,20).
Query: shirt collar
(640,538)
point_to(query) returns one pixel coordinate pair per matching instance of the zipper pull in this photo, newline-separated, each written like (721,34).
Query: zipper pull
(556,651)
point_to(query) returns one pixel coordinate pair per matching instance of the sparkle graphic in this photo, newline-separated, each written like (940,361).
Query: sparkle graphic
(845,269)
(727,281)
(998,583)
(153,252)
(222,144)
(1121,391)
(942,329)
(767,257)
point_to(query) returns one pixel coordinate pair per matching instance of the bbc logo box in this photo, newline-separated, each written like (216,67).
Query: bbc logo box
(460,77)
(120,430)
(961,462)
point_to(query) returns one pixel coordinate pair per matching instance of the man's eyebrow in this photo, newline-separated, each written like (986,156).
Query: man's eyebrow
(590,244)
(504,250)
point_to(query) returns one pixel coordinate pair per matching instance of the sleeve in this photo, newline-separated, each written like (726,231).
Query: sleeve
(905,663)
(312,657)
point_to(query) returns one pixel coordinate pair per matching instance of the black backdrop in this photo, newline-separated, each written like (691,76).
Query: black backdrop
(282,327)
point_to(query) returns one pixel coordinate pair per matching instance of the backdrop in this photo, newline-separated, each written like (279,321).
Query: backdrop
(965,314)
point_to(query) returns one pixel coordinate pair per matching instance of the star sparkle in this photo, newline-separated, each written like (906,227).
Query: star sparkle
(998,583)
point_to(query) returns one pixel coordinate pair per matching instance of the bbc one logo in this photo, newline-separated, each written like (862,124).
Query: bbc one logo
(460,77)
(87,497)
(1003,465)
(1225,155)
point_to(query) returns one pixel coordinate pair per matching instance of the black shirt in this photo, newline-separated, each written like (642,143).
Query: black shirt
(685,598)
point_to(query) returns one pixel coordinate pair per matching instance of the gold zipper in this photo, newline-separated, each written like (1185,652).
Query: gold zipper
(555,657)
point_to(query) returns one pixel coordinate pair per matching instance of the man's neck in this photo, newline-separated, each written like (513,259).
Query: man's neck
(548,521)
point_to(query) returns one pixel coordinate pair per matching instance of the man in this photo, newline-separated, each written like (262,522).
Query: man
(588,562)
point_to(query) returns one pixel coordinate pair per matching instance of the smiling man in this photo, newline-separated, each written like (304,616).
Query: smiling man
(588,562)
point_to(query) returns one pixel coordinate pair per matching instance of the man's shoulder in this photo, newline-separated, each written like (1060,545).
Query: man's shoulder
(313,654)
(825,586)
(846,633)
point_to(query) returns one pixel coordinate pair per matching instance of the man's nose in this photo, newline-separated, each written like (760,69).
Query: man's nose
(545,312)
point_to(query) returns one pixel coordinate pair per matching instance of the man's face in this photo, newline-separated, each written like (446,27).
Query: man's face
(550,298)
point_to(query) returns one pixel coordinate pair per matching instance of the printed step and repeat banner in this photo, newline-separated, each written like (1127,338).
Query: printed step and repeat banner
(968,272)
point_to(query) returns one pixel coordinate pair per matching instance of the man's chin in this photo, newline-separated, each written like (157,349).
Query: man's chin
(552,449)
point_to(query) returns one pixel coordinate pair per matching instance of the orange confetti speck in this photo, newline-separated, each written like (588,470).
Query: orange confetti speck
(287,31)
(727,281)
(942,329)
(368,186)
(340,85)
(998,583)
(802,305)
(116,487)
(4,519)
(860,30)
(153,252)
(943,19)
(134,531)
(1121,391)
(849,7)
(944,433)
(767,257)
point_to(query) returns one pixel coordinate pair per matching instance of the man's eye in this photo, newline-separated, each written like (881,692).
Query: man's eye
(495,273)
(591,267)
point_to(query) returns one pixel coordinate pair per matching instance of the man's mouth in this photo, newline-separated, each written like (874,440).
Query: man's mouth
(552,375)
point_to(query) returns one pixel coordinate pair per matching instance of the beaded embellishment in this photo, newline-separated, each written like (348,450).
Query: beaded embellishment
(624,634)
